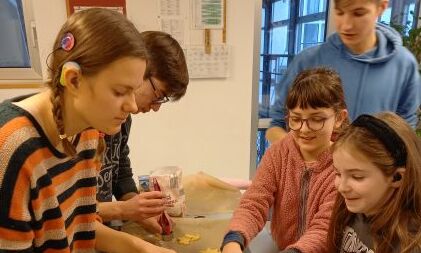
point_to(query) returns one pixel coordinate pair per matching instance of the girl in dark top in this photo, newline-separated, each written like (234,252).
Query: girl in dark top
(378,174)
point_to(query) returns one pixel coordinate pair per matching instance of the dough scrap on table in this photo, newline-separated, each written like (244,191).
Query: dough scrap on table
(192,237)
(210,250)
(183,240)
(187,239)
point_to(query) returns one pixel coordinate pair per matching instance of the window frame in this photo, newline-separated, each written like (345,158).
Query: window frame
(25,77)
(264,72)
(397,9)
(294,20)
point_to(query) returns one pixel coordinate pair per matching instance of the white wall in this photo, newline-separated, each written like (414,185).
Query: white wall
(210,128)
(213,127)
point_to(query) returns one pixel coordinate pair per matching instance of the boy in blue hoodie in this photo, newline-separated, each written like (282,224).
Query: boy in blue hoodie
(377,72)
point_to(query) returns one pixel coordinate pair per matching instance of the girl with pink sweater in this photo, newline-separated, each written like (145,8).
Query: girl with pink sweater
(296,175)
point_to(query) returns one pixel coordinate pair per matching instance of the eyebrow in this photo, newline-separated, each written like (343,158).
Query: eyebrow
(354,170)
(127,87)
(356,9)
(311,114)
(359,9)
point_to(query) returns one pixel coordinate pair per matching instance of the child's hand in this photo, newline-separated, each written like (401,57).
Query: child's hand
(232,247)
(156,249)
(143,206)
(151,225)
(163,250)
(289,251)
(142,246)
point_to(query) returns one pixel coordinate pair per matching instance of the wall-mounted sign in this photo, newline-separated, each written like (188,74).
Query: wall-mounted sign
(78,5)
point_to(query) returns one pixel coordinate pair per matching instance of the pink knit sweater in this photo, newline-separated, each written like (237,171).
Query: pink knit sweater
(302,198)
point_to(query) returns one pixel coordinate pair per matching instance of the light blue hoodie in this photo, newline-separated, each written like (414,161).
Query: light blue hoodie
(384,79)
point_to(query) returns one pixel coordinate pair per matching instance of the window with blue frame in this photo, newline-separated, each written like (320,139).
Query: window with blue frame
(19,55)
(289,26)
(13,45)
(402,12)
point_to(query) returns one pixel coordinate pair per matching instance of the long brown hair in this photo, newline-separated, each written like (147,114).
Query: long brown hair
(400,218)
(101,37)
(166,62)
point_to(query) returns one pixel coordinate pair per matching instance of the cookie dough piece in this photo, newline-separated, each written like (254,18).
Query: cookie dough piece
(187,239)
(183,240)
(192,237)
(210,250)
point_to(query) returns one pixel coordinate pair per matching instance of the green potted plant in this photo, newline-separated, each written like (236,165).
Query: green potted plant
(411,38)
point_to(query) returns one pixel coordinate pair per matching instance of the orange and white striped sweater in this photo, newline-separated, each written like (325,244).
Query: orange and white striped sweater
(47,199)
(302,197)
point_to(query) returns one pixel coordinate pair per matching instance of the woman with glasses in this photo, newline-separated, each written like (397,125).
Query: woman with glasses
(296,175)
(377,72)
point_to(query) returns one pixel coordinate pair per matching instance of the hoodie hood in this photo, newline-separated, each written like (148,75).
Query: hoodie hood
(388,40)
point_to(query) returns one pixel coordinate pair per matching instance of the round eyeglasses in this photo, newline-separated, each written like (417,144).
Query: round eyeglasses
(313,123)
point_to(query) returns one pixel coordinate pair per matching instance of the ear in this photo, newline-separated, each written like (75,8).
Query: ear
(70,76)
(397,177)
(382,7)
(342,115)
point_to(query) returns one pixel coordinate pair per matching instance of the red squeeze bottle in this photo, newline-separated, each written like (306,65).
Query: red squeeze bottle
(164,219)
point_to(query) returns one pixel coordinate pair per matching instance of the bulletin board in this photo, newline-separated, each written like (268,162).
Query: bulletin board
(181,18)
(78,5)
(208,65)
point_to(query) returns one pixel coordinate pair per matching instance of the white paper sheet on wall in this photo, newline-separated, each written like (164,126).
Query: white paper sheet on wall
(171,19)
(207,14)
(175,27)
(169,7)
(214,65)
(81,8)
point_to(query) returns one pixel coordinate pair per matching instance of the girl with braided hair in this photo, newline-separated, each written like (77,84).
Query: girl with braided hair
(51,142)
